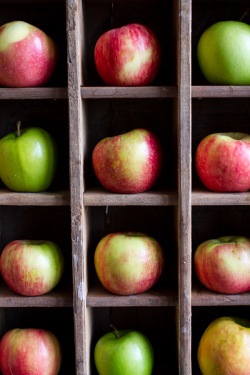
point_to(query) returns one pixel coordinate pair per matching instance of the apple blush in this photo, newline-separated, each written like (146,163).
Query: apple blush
(28,56)
(128,56)
(128,163)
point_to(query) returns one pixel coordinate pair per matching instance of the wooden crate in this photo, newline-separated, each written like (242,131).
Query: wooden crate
(79,110)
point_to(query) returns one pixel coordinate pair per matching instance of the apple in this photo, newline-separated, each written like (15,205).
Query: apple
(128,163)
(28,56)
(224,52)
(30,351)
(128,262)
(124,352)
(223,161)
(28,160)
(223,264)
(128,56)
(224,348)
(31,267)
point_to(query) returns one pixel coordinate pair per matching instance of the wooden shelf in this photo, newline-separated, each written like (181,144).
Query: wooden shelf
(204,297)
(99,297)
(101,197)
(203,197)
(33,93)
(9,198)
(220,92)
(102,92)
(56,298)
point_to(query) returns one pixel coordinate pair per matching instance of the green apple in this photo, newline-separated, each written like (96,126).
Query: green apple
(28,160)
(124,352)
(224,53)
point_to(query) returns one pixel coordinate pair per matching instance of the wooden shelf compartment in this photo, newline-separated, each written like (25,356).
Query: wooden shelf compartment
(58,297)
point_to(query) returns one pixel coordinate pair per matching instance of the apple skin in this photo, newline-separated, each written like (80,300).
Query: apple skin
(130,353)
(223,161)
(224,52)
(128,262)
(31,267)
(28,57)
(128,56)
(30,351)
(223,264)
(224,348)
(28,162)
(128,163)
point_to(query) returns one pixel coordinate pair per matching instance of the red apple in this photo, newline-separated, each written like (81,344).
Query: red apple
(224,348)
(223,161)
(31,268)
(28,56)
(128,56)
(29,351)
(223,264)
(128,263)
(128,163)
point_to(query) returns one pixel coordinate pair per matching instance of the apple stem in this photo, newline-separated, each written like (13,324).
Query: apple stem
(116,332)
(18,128)
(244,15)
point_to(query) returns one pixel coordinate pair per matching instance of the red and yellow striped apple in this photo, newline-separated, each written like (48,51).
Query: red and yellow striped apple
(30,351)
(128,56)
(223,161)
(128,262)
(31,267)
(223,264)
(128,163)
(224,348)
(28,56)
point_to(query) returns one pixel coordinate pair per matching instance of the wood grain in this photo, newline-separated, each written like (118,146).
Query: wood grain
(210,198)
(76,179)
(184,187)
(204,297)
(99,297)
(9,198)
(33,93)
(56,298)
(101,197)
(129,92)
(220,92)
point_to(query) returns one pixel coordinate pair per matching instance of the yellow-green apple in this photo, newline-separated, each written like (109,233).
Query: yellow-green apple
(128,163)
(224,348)
(128,262)
(28,56)
(31,267)
(28,160)
(223,161)
(128,56)
(224,53)
(30,351)
(223,264)
(124,352)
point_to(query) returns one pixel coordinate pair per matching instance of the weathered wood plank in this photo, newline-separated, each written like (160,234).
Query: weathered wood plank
(210,198)
(76,179)
(129,92)
(33,93)
(101,197)
(9,198)
(220,92)
(184,187)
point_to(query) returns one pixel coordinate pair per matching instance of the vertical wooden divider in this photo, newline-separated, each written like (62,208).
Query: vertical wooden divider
(184,187)
(76,141)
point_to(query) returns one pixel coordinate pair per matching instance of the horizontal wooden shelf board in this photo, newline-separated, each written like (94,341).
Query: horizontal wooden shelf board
(99,297)
(204,297)
(101,197)
(59,198)
(220,91)
(210,198)
(129,92)
(56,298)
(34,93)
